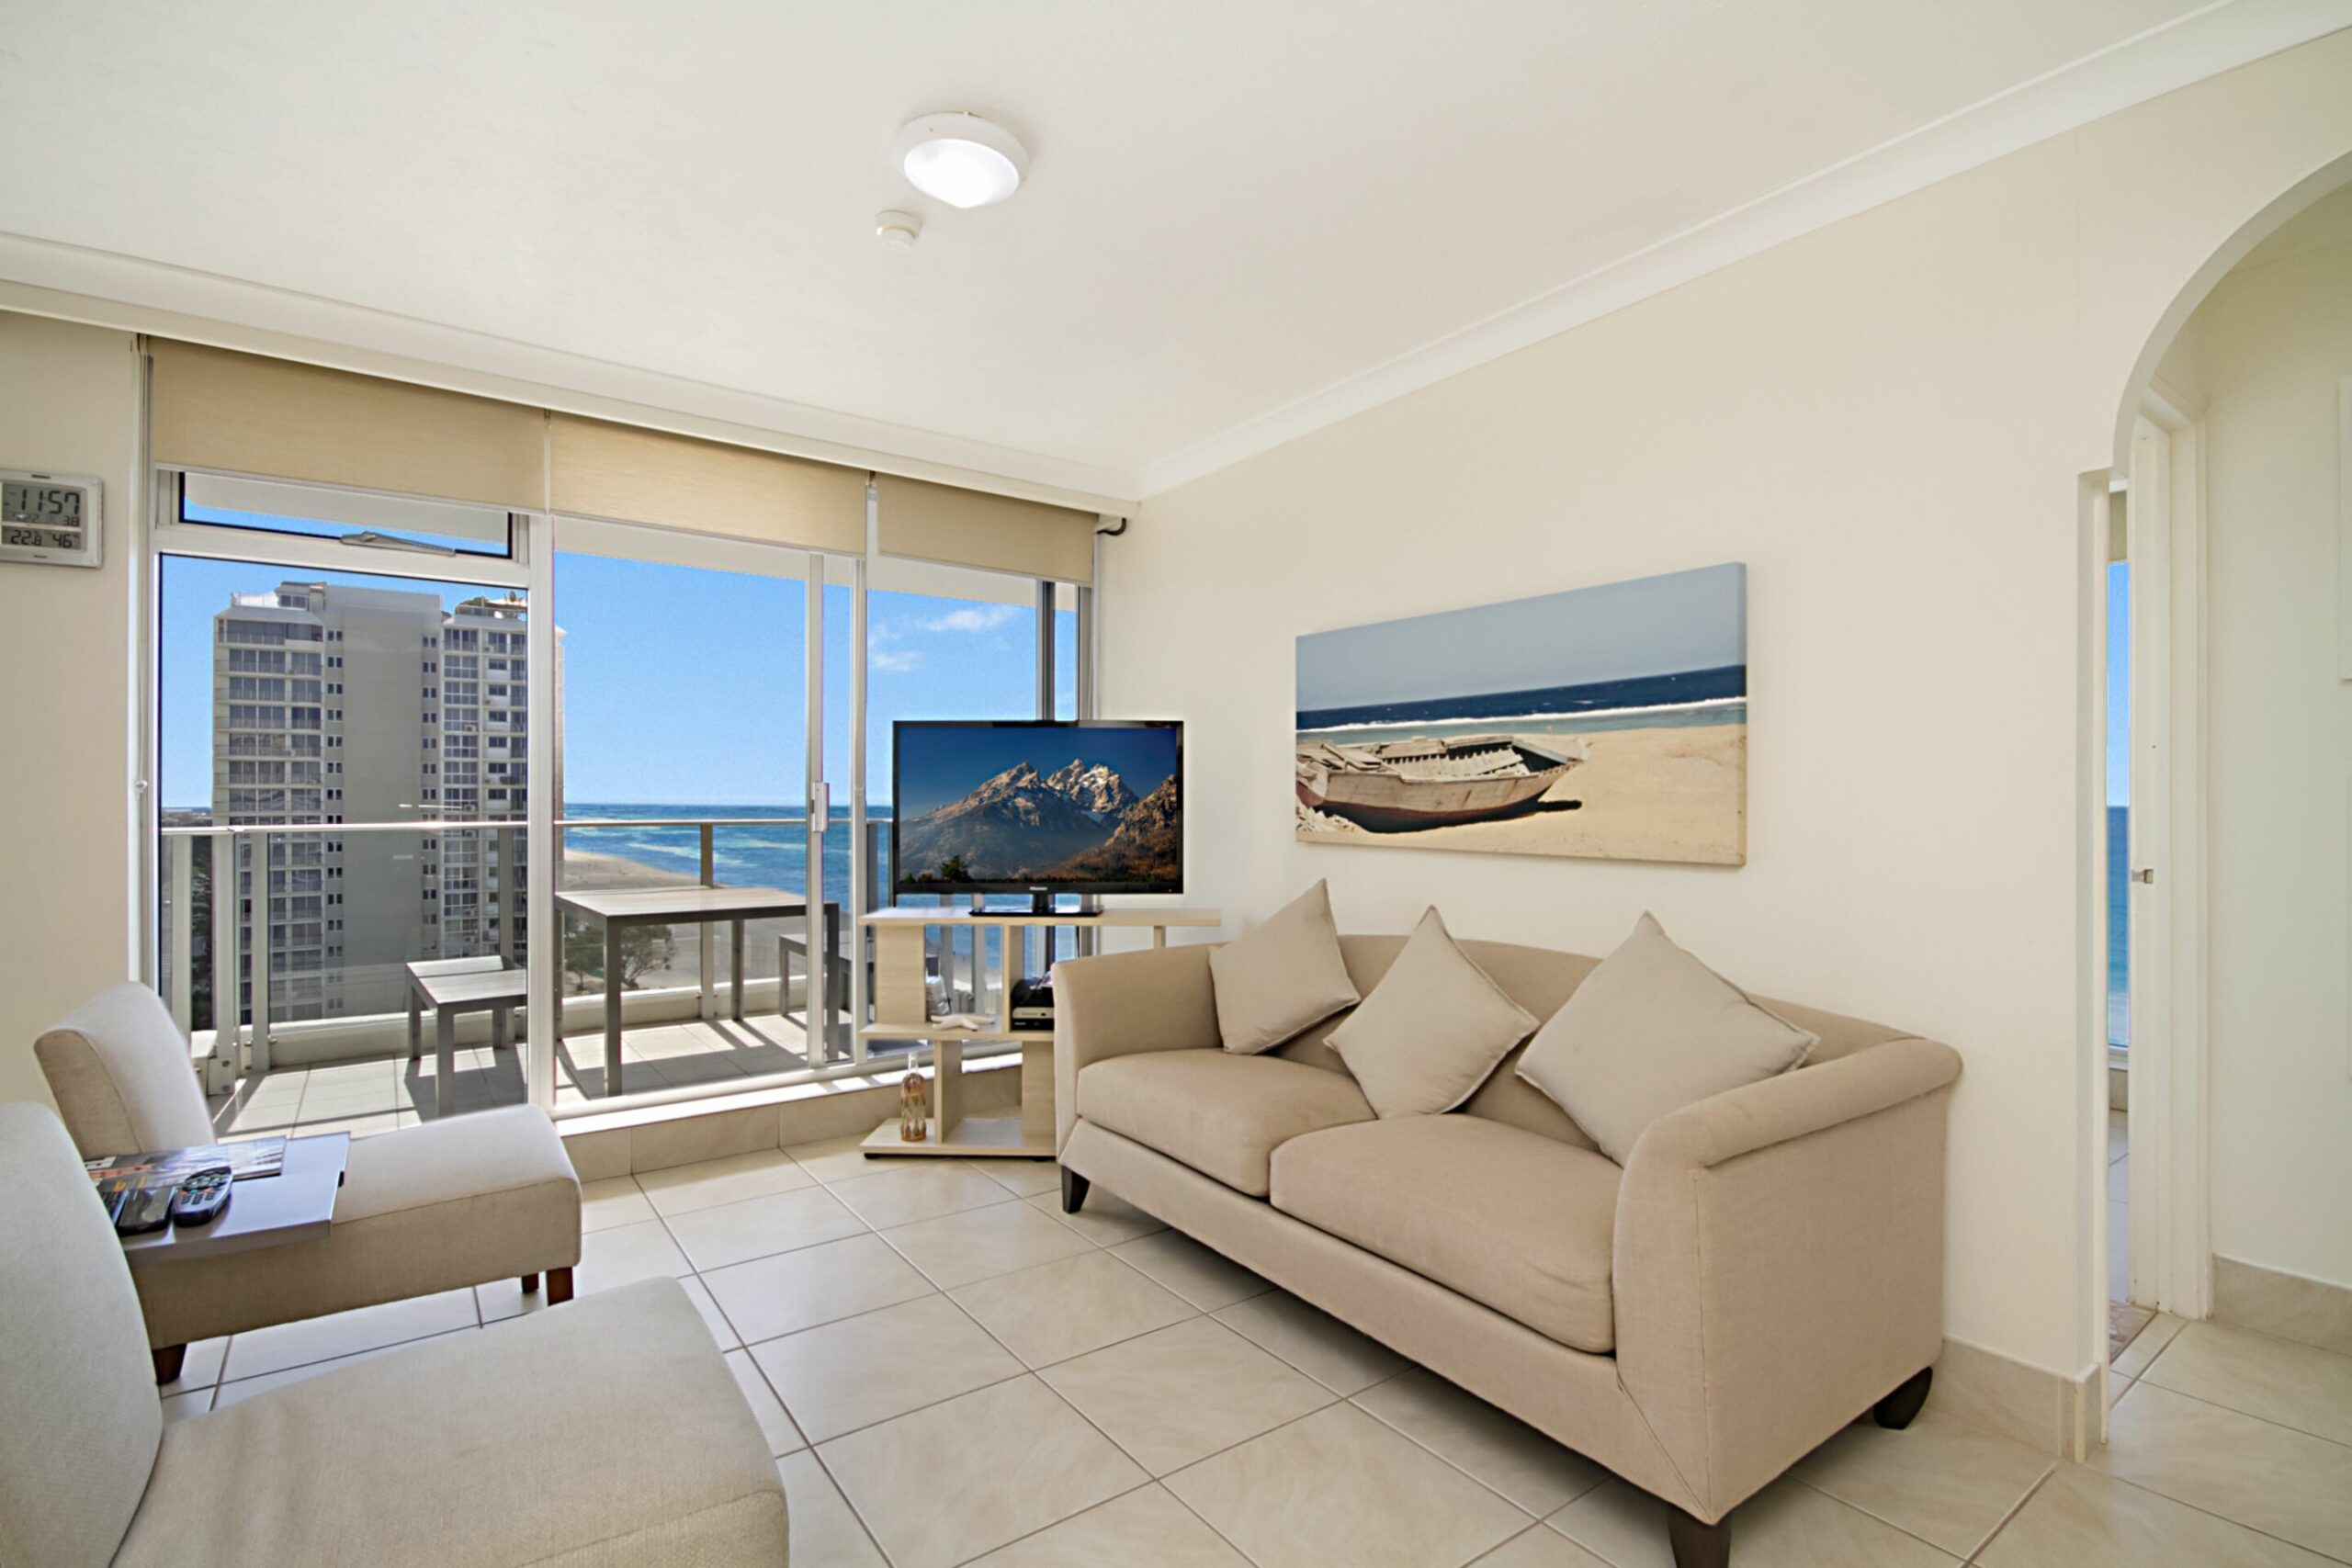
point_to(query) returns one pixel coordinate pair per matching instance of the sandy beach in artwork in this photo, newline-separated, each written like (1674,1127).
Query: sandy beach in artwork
(1668,794)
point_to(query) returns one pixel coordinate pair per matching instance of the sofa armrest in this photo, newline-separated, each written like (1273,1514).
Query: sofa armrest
(1157,999)
(1778,1261)
(1793,1105)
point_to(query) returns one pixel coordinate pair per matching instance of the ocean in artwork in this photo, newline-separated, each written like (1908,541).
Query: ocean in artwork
(1608,721)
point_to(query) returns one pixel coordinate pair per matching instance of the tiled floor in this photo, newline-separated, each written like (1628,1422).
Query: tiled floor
(949,1371)
(375,1096)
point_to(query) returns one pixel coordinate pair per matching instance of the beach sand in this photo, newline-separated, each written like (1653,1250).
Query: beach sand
(1661,794)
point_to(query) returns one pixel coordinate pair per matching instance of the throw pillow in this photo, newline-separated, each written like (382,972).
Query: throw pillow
(1282,976)
(1432,1030)
(1651,1031)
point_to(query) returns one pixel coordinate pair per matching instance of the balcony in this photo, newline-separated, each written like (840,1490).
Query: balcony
(335,1054)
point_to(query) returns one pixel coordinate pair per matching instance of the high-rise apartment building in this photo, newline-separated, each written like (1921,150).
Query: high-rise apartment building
(336,704)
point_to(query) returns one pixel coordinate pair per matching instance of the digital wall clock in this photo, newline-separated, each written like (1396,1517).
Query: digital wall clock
(53,519)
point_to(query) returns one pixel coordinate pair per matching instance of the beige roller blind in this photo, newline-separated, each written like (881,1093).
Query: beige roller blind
(969,527)
(245,413)
(705,487)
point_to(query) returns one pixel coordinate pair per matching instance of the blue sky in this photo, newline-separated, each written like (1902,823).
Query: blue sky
(1651,626)
(2118,684)
(944,766)
(681,687)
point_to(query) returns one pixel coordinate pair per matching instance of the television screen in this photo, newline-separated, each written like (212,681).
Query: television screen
(1014,807)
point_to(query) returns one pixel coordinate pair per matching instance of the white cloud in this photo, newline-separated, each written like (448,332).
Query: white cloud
(893,662)
(974,618)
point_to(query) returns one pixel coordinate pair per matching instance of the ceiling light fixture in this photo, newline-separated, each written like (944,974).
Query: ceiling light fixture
(961,159)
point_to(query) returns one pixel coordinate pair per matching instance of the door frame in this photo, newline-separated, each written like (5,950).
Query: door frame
(2169,1066)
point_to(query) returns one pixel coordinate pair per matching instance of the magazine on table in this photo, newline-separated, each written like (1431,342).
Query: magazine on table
(248,1160)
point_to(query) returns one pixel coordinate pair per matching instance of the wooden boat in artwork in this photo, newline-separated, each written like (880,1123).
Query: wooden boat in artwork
(1397,786)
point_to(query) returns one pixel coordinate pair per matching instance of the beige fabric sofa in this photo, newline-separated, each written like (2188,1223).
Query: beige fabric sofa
(1766,1265)
(435,1207)
(422,1456)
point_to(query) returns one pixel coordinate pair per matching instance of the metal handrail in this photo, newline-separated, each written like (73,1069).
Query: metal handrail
(228,1001)
(474,824)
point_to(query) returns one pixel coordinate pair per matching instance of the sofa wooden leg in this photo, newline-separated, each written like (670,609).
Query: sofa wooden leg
(167,1362)
(530,1284)
(1698,1545)
(1074,1187)
(558,1286)
(1896,1410)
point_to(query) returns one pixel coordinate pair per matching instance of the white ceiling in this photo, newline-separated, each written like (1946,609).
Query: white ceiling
(1238,210)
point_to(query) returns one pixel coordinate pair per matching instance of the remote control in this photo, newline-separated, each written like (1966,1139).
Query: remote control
(202,1195)
(147,1209)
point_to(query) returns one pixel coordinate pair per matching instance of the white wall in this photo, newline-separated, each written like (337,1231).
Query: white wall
(2270,346)
(69,401)
(1887,421)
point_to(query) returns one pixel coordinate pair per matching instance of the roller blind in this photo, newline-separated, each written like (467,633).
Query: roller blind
(630,475)
(242,413)
(968,528)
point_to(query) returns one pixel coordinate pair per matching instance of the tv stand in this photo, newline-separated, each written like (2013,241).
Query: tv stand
(901,1013)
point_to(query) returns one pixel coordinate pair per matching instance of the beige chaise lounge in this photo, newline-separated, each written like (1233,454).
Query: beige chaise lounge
(1768,1264)
(411,1457)
(450,1204)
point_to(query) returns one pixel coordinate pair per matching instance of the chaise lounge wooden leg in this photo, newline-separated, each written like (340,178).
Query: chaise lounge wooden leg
(558,1286)
(1698,1545)
(167,1362)
(1896,1410)
(1074,1187)
(530,1284)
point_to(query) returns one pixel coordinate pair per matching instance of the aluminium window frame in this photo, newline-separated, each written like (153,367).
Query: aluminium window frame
(529,568)
(526,568)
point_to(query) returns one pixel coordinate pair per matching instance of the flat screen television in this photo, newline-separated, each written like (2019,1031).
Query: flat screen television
(1096,806)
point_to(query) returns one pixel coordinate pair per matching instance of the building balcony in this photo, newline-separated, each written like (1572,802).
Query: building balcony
(335,1051)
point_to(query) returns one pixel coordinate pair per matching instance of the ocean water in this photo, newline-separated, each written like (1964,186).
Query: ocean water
(752,854)
(1689,698)
(2119,925)
(755,854)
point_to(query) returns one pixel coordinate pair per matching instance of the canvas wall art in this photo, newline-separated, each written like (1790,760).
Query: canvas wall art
(1608,722)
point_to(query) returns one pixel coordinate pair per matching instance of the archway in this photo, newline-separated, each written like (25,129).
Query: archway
(2171,1138)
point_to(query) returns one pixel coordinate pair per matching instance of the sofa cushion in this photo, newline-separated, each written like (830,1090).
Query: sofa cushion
(1281,975)
(432,1454)
(79,1419)
(1515,1220)
(1431,1030)
(120,1069)
(1649,1032)
(1222,1114)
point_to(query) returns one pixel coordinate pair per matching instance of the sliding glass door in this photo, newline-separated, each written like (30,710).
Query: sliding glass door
(701,886)
(640,778)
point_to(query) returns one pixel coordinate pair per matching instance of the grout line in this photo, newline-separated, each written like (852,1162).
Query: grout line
(1447,1459)
(2217,1404)
(2018,1508)
(2200,1508)
(1206,1522)
(1898,1525)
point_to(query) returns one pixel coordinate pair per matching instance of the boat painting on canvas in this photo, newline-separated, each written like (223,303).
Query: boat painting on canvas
(1608,722)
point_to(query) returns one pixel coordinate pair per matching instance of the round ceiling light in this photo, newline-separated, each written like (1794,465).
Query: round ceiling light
(961,159)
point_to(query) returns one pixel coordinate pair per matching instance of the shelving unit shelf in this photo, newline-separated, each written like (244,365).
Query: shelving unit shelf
(899,992)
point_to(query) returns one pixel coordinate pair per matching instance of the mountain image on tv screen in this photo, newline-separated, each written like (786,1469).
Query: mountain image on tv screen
(1073,806)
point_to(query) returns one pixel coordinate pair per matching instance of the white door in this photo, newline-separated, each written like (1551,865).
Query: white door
(2149,891)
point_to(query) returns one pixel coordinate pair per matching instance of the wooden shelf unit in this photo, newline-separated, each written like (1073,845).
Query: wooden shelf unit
(900,991)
